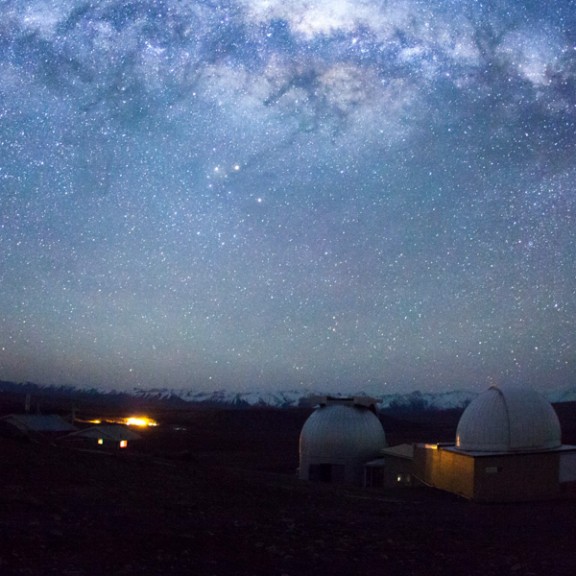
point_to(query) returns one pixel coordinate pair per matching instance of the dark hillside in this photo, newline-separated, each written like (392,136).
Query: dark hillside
(214,493)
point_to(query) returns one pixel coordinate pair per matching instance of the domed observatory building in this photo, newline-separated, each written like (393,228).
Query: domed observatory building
(338,438)
(505,420)
(508,448)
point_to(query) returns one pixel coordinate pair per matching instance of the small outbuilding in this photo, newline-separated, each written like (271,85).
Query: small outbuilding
(338,438)
(37,426)
(393,469)
(508,448)
(105,436)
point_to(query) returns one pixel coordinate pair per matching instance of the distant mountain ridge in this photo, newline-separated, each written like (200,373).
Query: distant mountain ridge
(411,401)
(417,400)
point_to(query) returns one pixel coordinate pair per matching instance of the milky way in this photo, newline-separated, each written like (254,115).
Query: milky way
(331,194)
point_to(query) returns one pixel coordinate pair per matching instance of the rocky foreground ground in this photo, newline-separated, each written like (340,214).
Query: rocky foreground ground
(218,496)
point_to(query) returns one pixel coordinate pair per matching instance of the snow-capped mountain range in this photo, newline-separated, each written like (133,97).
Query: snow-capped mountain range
(416,400)
(292,398)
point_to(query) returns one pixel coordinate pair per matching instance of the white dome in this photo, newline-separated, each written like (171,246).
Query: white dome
(508,419)
(338,432)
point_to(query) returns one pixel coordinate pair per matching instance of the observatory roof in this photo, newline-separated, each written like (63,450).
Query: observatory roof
(39,422)
(508,420)
(336,431)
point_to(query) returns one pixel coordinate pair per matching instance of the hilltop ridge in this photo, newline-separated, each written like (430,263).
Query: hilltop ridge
(410,401)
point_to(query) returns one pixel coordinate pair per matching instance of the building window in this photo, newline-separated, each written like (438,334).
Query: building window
(123,443)
(100,441)
(492,469)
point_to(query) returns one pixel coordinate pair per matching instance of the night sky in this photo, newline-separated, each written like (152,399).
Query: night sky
(277,194)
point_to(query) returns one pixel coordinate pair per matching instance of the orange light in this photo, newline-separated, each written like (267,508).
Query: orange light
(123,443)
(140,421)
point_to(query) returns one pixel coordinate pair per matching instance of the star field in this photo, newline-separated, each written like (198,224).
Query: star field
(337,194)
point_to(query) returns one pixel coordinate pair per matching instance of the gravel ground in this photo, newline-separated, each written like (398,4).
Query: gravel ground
(221,498)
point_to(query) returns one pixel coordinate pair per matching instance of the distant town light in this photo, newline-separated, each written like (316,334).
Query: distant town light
(140,421)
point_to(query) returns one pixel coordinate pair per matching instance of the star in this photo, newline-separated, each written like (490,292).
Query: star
(345,195)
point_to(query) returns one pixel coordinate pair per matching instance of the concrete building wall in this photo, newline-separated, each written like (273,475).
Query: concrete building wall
(389,472)
(337,471)
(489,478)
(516,477)
(397,472)
(568,467)
(567,473)
(443,469)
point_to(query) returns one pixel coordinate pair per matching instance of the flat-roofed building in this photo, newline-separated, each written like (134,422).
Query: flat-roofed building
(508,448)
(393,469)
(37,426)
(105,436)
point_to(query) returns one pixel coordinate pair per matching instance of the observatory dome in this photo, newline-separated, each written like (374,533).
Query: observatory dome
(508,420)
(337,432)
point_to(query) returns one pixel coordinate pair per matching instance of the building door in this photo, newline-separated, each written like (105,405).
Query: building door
(326,472)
